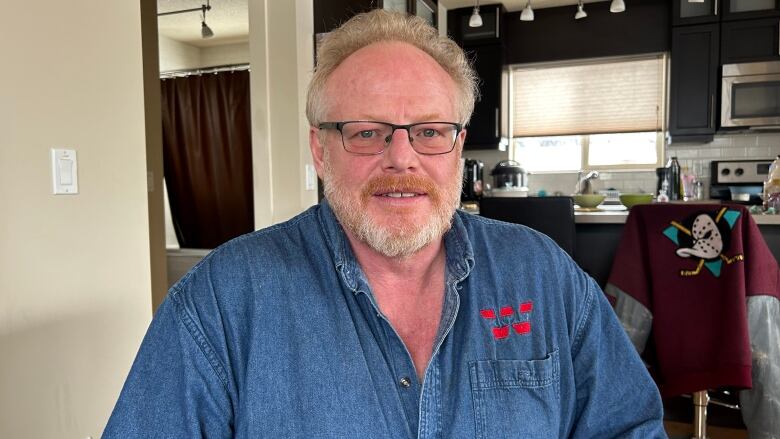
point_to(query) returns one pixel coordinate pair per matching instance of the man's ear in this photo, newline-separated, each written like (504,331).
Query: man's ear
(462,138)
(317,150)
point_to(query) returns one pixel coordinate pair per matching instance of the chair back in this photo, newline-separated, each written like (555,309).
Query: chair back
(553,216)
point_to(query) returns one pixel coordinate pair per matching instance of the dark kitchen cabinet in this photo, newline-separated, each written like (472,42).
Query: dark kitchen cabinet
(484,47)
(489,33)
(694,81)
(749,41)
(329,14)
(747,9)
(427,9)
(685,12)
(484,129)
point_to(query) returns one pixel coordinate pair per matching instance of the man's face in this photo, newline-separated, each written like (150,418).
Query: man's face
(397,201)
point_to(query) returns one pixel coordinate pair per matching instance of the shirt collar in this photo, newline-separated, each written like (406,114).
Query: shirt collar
(459,252)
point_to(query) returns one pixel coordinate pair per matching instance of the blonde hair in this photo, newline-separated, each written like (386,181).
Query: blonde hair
(383,26)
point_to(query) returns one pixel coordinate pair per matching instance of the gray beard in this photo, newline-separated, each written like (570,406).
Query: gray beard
(400,240)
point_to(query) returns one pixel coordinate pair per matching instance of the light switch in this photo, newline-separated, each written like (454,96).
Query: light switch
(311,178)
(64,167)
(66,171)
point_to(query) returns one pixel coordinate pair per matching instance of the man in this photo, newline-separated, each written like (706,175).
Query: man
(382,312)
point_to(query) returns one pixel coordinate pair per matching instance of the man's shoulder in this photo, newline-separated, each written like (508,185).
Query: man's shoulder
(263,251)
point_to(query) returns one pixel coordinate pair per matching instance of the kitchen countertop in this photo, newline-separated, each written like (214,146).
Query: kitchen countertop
(618,215)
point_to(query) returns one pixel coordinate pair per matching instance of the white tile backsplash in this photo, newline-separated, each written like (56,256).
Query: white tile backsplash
(695,156)
(768,139)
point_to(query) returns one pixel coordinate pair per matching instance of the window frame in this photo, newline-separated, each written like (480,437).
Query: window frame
(661,137)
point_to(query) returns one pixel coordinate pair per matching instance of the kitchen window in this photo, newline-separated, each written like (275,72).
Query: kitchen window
(605,113)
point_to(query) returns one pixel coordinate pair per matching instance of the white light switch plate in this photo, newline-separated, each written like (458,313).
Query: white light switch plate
(311,178)
(64,171)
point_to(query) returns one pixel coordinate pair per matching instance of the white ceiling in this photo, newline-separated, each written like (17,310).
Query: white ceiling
(229,19)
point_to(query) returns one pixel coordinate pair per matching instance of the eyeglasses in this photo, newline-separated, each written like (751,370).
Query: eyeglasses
(363,137)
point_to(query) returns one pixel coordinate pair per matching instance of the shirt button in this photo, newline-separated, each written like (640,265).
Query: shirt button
(405,382)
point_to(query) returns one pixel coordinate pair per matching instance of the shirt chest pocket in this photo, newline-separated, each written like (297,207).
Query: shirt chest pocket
(516,398)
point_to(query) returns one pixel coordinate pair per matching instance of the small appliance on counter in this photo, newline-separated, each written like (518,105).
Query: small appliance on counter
(509,180)
(738,181)
(472,180)
(771,193)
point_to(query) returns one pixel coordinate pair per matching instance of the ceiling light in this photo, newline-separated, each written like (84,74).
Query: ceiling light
(617,6)
(580,12)
(528,13)
(476,19)
(205,30)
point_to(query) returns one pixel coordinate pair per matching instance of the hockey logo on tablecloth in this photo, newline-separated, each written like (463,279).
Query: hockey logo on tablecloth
(705,237)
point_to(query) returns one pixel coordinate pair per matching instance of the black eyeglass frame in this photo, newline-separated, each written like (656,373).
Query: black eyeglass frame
(339,125)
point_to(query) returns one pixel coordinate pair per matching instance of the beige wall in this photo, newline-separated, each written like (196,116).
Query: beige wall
(175,55)
(225,55)
(281,55)
(154,152)
(75,295)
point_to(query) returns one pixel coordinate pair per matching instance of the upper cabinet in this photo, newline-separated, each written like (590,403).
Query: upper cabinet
(329,14)
(750,41)
(484,128)
(484,47)
(685,12)
(426,9)
(694,82)
(744,9)
(466,36)
(712,11)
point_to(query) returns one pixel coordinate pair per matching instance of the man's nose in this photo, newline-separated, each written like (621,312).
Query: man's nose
(399,153)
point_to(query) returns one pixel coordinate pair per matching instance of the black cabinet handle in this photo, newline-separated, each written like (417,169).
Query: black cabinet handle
(712,110)
(498,123)
(716,8)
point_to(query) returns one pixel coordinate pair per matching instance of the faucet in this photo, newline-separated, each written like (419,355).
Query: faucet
(584,185)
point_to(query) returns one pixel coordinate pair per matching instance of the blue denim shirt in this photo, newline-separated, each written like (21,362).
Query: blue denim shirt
(276,334)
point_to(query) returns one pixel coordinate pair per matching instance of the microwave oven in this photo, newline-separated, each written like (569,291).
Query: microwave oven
(751,95)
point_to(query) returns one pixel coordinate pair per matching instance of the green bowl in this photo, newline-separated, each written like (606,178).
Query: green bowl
(630,200)
(588,200)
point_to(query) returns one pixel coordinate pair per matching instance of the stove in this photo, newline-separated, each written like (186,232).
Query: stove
(738,181)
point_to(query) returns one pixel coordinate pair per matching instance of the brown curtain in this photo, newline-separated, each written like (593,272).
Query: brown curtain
(207,152)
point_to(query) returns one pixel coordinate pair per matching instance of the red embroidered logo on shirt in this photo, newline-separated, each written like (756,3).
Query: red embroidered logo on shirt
(507,318)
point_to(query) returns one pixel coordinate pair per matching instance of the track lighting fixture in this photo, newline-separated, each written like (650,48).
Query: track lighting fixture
(528,13)
(617,6)
(476,19)
(205,30)
(580,11)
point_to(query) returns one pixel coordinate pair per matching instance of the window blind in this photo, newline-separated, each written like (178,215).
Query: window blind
(589,97)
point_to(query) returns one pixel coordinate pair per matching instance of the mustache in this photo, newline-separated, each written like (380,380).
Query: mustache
(400,183)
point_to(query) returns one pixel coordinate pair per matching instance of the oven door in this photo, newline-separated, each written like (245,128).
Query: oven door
(750,100)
